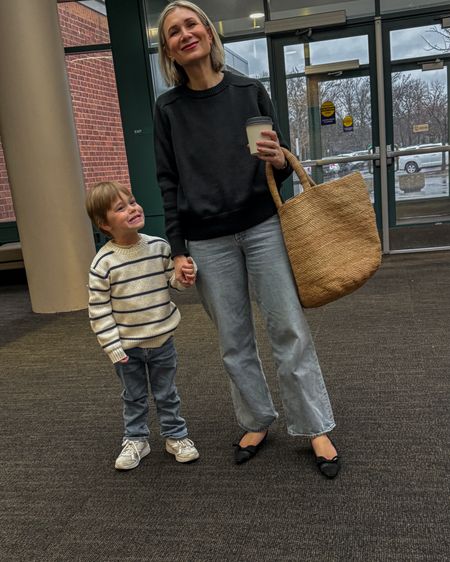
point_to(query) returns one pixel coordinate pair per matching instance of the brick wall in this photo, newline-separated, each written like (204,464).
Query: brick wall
(6,207)
(94,100)
(81,25)
(97,117)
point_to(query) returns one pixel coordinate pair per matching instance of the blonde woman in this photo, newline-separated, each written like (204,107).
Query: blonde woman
(218,210)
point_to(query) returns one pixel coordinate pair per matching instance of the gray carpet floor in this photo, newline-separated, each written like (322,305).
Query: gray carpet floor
(386,358)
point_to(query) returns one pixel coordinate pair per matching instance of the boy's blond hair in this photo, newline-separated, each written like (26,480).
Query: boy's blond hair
(100,199)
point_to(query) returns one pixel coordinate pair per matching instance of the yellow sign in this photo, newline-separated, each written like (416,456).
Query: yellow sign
(327,109)
(347,124)
(327,113)
(347,121)
(423,128)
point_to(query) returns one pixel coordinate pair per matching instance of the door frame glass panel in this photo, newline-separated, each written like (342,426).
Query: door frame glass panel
(431,229)
(279,77)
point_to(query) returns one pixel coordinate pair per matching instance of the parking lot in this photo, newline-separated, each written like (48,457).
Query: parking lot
(436,180)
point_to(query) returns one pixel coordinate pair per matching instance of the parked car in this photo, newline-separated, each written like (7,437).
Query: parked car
(332,168)
(413,163)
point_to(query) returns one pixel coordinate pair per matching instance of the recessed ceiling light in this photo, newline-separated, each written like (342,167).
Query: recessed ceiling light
(256,15)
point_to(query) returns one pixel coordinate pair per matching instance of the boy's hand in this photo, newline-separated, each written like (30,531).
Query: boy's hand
(184,270)
(124,360)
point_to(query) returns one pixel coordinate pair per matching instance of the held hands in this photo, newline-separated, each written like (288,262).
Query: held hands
(184,270)
(270,150)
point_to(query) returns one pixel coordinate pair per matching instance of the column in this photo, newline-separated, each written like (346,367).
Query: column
(42,157)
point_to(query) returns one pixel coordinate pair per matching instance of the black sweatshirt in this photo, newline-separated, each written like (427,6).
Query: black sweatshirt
(211,185)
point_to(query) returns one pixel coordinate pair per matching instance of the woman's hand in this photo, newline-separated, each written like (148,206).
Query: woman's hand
(270,150)
(184,270)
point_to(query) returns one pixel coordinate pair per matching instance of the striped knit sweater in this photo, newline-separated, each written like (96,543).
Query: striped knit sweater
(129,300)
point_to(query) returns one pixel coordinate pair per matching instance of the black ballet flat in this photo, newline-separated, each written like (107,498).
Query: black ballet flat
(244,454)
(329,467)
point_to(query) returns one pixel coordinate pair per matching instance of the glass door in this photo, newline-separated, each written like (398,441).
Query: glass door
(418,174)
(331,105)
(329,86)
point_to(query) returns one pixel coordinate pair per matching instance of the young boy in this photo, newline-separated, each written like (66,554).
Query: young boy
(134,320)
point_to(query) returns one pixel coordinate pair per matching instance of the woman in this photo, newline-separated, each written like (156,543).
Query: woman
(218,210)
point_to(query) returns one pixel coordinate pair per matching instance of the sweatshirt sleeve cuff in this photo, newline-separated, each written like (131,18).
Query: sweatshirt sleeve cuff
(281,175)
(178,247)
(117,354)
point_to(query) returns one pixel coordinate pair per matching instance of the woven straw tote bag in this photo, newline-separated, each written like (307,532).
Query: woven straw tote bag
(330,235)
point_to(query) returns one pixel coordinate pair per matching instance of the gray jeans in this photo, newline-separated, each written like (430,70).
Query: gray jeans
(157,368)
(226,267)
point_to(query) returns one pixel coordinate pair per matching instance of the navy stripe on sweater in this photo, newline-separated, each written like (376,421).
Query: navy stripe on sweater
(105,330)
(140,294)
(109,344)
(127,263)
(101,257)
(146,323)
(150,337)
(129,311)
(162,272)
(98,290)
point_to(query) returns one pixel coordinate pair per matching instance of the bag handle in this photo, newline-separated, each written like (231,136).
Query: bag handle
(305,179)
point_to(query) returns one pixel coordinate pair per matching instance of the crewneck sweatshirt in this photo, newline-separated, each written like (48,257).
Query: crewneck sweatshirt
(211,185)
(129,299)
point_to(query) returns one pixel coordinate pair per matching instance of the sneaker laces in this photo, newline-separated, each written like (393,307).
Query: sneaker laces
(185,444)
(129,448)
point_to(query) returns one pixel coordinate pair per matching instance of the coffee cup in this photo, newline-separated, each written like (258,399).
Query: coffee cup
(254,127)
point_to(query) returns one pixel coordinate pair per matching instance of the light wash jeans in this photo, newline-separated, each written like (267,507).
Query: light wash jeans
(226,267)
(156,367)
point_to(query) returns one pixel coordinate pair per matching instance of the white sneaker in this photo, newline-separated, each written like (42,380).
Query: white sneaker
(183,449)
(131,454)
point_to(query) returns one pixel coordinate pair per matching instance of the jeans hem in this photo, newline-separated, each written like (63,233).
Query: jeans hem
(312,435)
(131,438)
(262,428)
(177,436)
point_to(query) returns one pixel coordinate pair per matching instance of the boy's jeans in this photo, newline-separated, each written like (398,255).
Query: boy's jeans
(156,367)
(226,267)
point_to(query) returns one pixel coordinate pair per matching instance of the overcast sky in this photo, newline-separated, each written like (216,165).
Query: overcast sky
(405,44)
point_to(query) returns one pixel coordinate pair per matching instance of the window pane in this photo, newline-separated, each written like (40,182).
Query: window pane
(248,58)
(338,50)
(419,42)
(312,141)
(399,5)
(280,9)
(323,52)
(159,86)
(97,117)
(420,112)
(83,23)
(229,18)
(6,206)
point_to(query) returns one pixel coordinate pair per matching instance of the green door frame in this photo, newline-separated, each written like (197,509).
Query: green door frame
(134,87)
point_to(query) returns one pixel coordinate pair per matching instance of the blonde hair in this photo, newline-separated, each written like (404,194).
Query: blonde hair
(100,199)
(173,73)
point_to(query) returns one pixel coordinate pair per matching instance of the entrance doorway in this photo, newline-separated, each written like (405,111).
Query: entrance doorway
(331,105)
(328,99)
